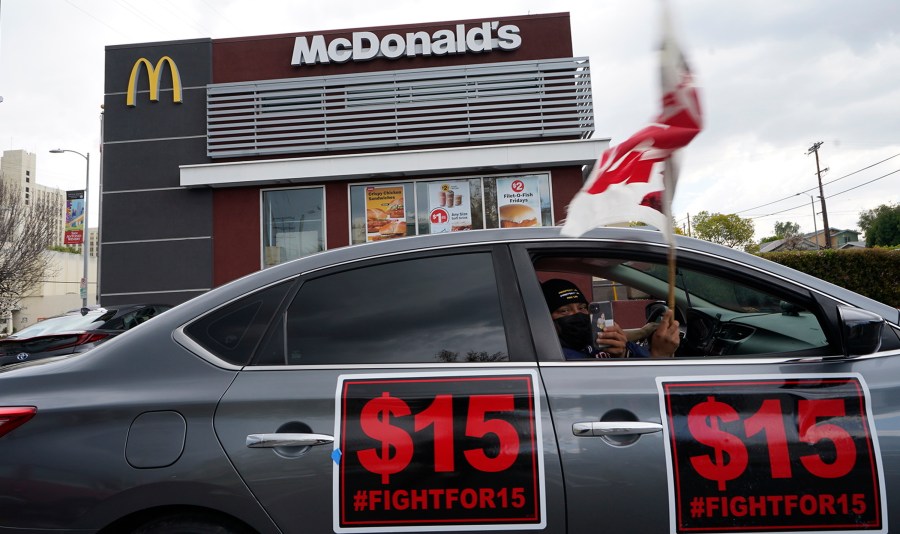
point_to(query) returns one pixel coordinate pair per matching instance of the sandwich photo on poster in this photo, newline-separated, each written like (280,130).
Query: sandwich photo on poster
(450,207)
(385,213)
(518,202)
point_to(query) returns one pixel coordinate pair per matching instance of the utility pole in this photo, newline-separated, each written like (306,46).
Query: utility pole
(827,229)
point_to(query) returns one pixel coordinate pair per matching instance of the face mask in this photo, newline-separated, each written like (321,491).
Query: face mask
(574,330)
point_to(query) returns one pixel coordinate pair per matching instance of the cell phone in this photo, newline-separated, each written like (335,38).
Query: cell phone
(601,317)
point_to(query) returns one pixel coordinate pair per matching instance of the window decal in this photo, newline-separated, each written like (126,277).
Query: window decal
(437,452)
(772,454)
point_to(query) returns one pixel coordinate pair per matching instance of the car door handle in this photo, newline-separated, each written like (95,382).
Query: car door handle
(257,441)
(615,428)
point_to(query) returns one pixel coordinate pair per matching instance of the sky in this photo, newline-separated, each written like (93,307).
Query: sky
(775,77)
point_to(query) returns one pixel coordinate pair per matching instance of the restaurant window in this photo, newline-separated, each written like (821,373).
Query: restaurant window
(418,207)
(292,224)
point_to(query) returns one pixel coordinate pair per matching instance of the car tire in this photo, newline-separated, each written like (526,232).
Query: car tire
(192,523)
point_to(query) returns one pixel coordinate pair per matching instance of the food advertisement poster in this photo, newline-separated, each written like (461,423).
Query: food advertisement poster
(518,202)
(385,213)
(450,207)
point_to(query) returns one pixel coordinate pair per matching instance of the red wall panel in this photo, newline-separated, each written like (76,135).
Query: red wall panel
(565,181)
(268,57)
(236,233)
(337,211)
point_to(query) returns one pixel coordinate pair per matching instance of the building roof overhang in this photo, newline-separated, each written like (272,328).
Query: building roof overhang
(385,165)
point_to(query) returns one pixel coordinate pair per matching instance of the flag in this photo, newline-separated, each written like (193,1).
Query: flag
(635,180)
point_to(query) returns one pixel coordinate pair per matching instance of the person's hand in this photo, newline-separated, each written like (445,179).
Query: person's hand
(644,332)
(614,338)
(666,337)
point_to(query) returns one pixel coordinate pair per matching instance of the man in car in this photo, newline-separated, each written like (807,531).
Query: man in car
(569,310)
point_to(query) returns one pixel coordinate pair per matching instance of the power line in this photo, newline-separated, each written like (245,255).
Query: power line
(95,18)
(814,188)
(142,16)
(864,183)
(829,196)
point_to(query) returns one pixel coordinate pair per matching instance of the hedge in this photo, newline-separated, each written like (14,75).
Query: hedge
(873,272)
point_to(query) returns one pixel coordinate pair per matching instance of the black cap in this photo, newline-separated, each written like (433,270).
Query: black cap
(559,292)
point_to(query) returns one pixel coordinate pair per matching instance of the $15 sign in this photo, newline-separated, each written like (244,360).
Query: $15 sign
(730,458)
(382,419)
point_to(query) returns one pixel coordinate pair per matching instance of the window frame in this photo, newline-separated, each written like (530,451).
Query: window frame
(545,339)
(262,221)
(518,340)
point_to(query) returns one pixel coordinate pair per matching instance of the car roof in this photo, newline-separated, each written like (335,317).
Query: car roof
(638,235)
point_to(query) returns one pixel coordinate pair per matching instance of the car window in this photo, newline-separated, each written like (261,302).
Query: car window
(131,319)
(233,331)
(719,315)
(423,310)
(123,322)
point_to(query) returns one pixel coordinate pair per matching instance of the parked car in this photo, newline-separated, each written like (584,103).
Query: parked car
(418,384)
(75,332)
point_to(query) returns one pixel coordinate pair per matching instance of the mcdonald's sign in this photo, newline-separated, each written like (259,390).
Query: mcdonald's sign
(153,75)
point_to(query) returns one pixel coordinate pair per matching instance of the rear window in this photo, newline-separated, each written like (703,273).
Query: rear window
(67,323)
(232,332)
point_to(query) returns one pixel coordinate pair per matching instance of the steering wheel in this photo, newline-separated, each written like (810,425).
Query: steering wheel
(654,312)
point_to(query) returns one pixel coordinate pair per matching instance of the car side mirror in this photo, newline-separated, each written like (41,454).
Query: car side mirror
(860,331)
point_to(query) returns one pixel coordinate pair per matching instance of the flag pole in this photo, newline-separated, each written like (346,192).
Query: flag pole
(670,177)
(671,301)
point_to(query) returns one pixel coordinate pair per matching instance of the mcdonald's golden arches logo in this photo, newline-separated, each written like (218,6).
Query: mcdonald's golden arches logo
(153,75)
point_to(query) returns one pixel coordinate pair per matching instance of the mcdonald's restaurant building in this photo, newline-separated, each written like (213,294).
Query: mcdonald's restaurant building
(225,156)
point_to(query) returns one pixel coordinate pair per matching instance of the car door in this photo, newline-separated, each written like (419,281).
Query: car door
(794,437)
(398,394)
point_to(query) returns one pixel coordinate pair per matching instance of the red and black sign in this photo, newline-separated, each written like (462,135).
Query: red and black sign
(772,455)
(438,450)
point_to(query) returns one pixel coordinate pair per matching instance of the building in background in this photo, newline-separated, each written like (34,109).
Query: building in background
(60,290)
(839,237)
(19,168)
(225,156)
(57,294)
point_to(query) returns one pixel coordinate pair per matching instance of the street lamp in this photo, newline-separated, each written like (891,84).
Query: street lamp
(86,238)
(812,203)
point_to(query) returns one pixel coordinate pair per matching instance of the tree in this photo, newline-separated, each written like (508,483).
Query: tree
(881,225)
(784,230)
(675,229)
(868,216)
(27,229)
(789,233)
(729,230)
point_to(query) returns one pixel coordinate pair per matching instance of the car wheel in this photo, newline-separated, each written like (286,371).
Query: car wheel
(192,523)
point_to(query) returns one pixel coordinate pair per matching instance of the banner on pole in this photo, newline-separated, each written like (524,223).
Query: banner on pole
(74,231)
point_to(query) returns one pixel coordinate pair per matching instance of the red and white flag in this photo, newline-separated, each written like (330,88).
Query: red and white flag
(635,181)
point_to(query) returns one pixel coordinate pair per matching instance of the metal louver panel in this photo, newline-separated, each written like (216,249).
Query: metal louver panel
(476,103)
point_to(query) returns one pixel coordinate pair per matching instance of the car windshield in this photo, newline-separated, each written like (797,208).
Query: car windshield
(65,323)
(715,290)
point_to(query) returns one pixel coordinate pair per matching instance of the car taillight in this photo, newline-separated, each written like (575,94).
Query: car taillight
(14,416)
